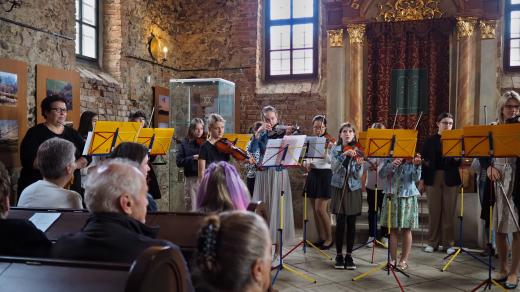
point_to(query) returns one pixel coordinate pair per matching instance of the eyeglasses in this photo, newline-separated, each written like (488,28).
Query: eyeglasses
(319,127)
(510,106)
(59,110)
(447,123)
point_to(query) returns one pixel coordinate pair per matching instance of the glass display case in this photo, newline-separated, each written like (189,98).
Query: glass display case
(198,98)
(195,98)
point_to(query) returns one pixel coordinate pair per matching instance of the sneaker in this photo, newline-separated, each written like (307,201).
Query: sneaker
(384,241)
(429,249)
(340,264)
(349,263)
(370,242)
(451,250)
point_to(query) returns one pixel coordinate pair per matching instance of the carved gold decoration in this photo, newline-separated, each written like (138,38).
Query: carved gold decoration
(405,10)
(465,26)
(335,38)
(356,33)
(487,29)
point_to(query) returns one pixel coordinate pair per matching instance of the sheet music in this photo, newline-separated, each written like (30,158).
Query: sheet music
(295,147)
(315,146)
(43,221)
(87,143)
(272,153)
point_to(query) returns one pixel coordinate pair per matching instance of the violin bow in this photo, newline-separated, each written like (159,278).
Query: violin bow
(418,120)
(151,117)
(395,119)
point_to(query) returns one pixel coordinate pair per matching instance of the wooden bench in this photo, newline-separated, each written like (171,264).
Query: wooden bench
(156,269)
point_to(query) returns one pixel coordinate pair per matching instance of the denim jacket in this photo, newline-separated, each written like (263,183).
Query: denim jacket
(402,179)
(339,171)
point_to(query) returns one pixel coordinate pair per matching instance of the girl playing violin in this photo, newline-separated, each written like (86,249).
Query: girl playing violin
(347,169)
(187,158)
(318,187)
(401,198)
(208,151)
(271,181)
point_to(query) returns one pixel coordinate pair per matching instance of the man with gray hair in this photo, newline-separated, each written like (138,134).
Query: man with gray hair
(115,195)
(56,162)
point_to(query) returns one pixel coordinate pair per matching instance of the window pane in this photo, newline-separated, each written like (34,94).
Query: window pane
(515,1)
(280,9)
(280,63)
(89,41)
(89,12)
(515,24)
(77,9)
(302,35)
(280,37)
(302,61)
(514,57)
(77,37)
(303,8)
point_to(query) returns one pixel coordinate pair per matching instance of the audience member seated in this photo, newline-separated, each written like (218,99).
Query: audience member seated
(56,162)
(139,154)
(115,195)
(19,236)
(234,253)
(222,189)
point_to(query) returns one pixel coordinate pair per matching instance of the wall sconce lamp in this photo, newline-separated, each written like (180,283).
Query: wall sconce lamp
(157,49)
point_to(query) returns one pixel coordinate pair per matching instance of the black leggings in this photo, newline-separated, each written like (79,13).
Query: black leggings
(372,213)
(350,222)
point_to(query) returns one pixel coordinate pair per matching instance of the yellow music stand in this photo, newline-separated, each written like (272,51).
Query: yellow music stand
(506,140)
(107,135)
(452,143)
(240,140)
(162,141)
(453,146)
(391,143)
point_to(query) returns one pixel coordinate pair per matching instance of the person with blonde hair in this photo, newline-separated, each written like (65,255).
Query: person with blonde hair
(233,253)
(504,173)
(208,151)
(222,189)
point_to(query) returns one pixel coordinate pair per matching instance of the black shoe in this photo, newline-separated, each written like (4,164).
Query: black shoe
(510,286)
(349,263)
(340,264)
(326,247)
(318,243)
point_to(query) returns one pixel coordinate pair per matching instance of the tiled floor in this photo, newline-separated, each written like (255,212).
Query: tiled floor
(464,274)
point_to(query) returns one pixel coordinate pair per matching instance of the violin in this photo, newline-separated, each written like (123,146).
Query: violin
(329,138)
(281,130)
(225,146)
(202,139)
(357,148)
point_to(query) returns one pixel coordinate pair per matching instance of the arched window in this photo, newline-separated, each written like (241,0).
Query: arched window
(291,39)
(87,29)
(512,35)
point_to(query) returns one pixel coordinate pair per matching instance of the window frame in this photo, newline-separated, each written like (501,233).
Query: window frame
(96,28)
(508,9)
(291,21)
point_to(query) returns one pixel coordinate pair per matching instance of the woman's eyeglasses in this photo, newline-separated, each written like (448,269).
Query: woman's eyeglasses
(59,110)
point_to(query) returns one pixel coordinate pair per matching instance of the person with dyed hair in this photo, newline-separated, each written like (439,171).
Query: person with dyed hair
(222,189)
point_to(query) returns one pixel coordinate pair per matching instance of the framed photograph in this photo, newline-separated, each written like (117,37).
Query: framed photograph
(52,81)
(13,109)
(161,117)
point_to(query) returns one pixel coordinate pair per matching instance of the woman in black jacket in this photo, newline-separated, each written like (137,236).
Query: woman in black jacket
(187,158)
(441,177)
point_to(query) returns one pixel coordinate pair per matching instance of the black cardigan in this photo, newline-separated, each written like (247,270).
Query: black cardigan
(432,155)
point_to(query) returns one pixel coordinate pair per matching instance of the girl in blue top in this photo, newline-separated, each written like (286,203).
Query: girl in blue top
(347,169)
(401,176)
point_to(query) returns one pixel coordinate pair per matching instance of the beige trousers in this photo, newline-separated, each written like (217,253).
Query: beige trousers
(442,204)
(191,186)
